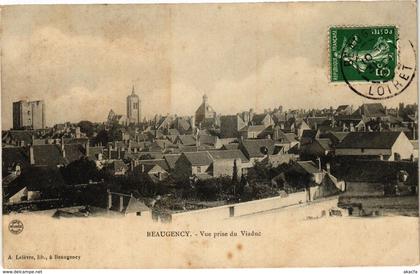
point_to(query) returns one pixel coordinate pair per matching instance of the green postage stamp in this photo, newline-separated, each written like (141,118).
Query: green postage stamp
(363,53)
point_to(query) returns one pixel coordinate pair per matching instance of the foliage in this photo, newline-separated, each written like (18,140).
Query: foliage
(87,127)
(80,172)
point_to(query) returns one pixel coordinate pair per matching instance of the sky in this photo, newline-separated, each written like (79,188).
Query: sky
(83,60)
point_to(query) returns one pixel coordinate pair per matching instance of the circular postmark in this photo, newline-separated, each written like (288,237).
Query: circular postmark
(377,80)
(15,226)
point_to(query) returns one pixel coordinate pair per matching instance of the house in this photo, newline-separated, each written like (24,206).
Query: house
(225,160)
(257,149)
(186,140)
(344,110)
(372,111)
(127,205)
(193,163)
(184,125)
(334,136)
(117,167)
(415,144)
(230,125)
(171,160)
(12,157)
(252,132)
(32,183)
(298,126)
(263,119)
(354,122)
(308,136)
(390,146)
(318,148)
(315,122)
(52,155)
(306,175)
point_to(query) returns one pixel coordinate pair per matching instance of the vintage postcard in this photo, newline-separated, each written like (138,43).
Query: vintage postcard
(210,135)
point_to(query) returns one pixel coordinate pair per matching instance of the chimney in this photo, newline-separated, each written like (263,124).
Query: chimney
(109,152)
(109,198)
(160,176)
(129,145)
(31,155)
(319,164)
(33,139)
(121,203)
(142,168)
(87,148)
(328,167)
(193,123)
(63,151)
(118,153)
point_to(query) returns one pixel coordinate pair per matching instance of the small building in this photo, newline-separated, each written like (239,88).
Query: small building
(389,146)
(193,163)
(127,205)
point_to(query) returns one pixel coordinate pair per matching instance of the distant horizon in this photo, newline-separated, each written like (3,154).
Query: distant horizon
(250,56)
(149,118)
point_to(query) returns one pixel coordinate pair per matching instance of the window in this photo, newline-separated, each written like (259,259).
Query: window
(138,213)
(363,150)
(199,169)
(397,157)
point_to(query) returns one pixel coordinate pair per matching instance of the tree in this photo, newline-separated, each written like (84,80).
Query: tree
(87,128)
(102,138)
(235,172)
(80,172)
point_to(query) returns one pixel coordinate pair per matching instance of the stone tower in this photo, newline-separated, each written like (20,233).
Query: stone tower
(204,111)
(29,115)
(133,108)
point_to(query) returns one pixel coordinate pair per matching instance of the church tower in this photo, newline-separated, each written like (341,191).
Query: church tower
(133,108)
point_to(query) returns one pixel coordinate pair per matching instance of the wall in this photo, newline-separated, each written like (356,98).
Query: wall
(348,151)
(403,147)
(38,114)
(241,209)
(224,167)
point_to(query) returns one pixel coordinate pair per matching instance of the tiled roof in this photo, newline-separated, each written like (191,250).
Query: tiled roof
(342,108)
(371,110)
(74,152)
(231,146)
(171,159)
(14,155)
(207,139)
(48,155)
(228,154)
(325,143)
(308,166)
(152,162)
(258,119)
(254,147)
(309,133)
(199,158)
(256,128)
(187,140)
(375,140)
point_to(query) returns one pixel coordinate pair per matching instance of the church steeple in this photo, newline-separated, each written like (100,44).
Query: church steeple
(132,91)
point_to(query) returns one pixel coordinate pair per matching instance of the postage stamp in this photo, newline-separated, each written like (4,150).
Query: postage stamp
(363,53)
(372,61)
